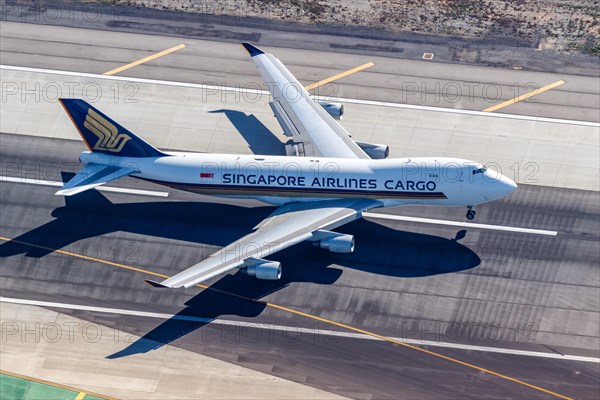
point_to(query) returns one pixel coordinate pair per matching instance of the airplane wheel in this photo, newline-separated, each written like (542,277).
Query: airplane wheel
(470,214)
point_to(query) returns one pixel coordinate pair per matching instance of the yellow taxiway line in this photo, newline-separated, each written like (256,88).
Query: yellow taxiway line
(303,314)
(145,59)
(338,76)
(524,96)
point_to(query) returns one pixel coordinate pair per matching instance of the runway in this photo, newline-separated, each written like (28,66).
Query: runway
(420,281)
(429,306)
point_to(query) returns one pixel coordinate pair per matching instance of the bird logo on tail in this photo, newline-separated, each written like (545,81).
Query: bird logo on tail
(109,138)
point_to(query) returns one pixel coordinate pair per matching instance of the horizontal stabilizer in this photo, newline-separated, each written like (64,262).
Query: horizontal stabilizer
(155,284)
(93,175)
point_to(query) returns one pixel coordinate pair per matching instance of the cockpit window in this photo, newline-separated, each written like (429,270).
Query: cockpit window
(479,170)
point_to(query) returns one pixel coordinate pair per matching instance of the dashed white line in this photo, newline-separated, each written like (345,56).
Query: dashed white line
(461,224)
(43,182)
(295,330)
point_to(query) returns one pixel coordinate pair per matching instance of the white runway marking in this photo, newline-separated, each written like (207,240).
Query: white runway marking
(266,93)
(43,182)
(295,330)
(366,214)
(462,224)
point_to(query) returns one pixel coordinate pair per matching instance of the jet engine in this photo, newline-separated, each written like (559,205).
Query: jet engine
(262,269)
(336,110)
(375,151)
(338,244)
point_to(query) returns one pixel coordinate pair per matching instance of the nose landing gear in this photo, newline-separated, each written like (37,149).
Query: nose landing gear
(470,213)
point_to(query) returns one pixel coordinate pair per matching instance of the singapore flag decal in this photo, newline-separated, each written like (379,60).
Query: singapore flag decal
(207,175)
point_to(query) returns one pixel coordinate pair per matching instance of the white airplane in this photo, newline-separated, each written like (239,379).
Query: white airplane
(326,181)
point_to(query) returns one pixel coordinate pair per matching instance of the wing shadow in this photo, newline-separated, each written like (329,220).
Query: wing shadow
(259,138)
(235,295)
(380,250)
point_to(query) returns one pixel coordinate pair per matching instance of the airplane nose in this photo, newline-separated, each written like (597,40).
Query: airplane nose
(508,184)
(498,185)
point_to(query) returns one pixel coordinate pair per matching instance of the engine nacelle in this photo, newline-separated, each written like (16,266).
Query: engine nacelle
(375,151)
(338,244)
(262,269)
(336,110)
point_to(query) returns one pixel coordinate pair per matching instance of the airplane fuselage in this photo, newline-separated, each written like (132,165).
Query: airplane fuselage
(279,180)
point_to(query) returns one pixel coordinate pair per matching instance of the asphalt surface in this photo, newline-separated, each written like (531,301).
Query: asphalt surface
(409,81)
(483,287)
(469,286)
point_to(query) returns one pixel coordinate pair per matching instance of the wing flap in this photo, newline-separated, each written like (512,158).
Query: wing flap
(289,129)
(92,175)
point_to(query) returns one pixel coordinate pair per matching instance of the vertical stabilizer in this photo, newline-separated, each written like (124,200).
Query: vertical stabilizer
(101,134)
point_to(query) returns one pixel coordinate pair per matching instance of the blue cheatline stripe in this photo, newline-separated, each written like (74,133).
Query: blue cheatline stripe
(304,191)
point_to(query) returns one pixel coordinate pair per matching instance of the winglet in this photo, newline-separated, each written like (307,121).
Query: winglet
(252,50)
(155,284)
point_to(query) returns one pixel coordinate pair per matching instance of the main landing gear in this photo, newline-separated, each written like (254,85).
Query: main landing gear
(470,213)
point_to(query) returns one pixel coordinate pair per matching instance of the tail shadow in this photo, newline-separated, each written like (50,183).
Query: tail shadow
(91,214)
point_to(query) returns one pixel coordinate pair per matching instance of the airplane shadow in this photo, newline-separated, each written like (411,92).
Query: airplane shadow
(379,250)
(90,214)
(259,138)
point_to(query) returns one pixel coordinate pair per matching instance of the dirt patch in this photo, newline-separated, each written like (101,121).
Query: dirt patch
(563,25)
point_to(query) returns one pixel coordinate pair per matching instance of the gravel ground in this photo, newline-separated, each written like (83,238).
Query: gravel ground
(564,25)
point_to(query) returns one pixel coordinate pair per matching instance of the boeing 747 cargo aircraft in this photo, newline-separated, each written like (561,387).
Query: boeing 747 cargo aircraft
(326,181)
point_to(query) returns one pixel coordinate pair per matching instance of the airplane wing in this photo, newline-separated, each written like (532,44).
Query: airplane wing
(92,175)
(315,132)
(288,225)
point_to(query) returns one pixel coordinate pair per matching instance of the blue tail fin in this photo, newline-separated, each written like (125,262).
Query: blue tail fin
(103,135)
